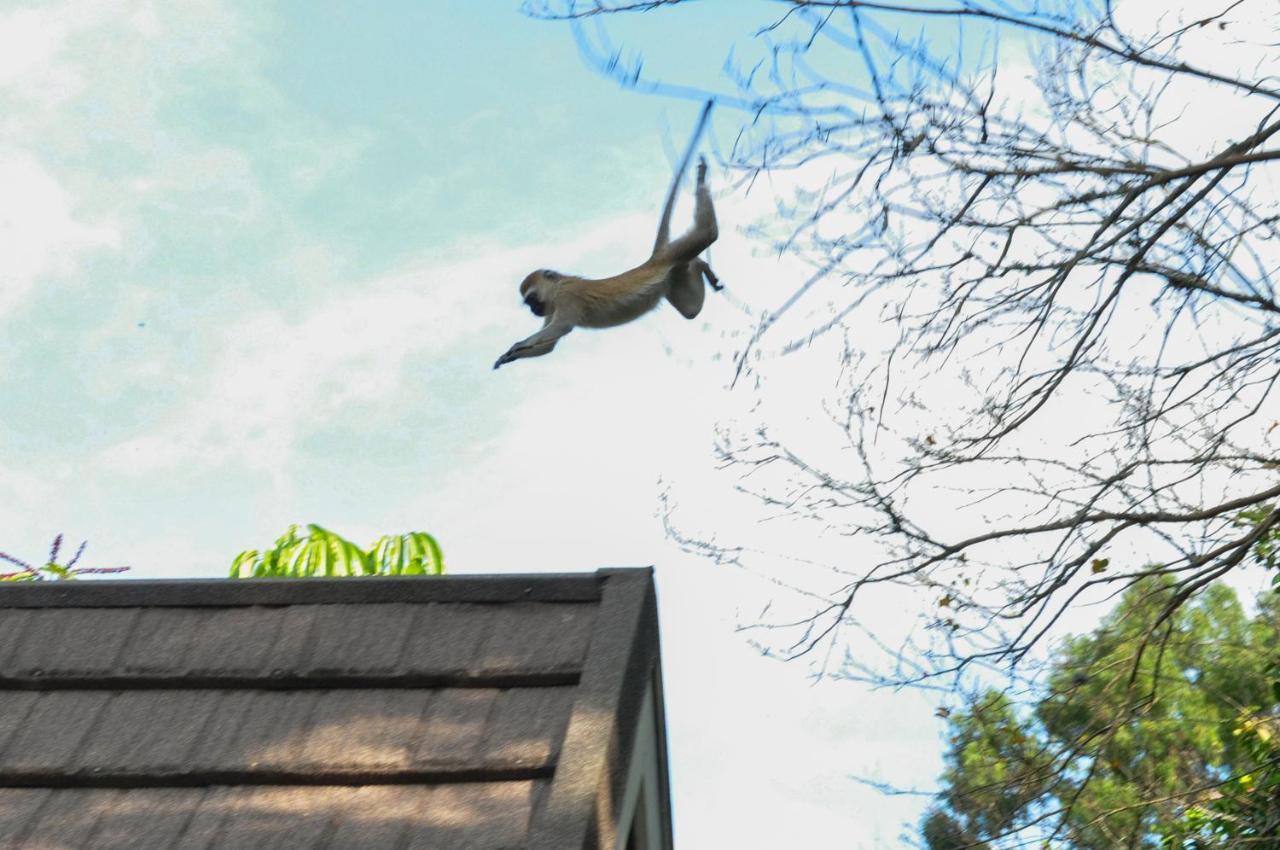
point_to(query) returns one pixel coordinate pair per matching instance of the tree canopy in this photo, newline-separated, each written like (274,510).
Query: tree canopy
(1124,741)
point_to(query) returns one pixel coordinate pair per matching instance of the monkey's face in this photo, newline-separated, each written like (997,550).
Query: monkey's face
(539,289)
(535,304)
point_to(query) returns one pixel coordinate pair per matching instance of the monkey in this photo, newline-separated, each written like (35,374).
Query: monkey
(674,270)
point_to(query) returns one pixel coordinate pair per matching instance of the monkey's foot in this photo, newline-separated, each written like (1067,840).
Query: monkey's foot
(711,278)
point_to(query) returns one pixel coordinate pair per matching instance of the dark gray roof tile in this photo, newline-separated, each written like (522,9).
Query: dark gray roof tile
(293,640)
(537,635)
(62,642)
(133,820)
(18,810)
(527,726)
(192,732)
(16,708)
(361,639)
(444,638)
(379,817)
(54,730)
(155,729)
(209,809)
(453,728)
(279,818)
(365,729)
(14,625)
(232,711)
(270,735)
(159,643)
(65,821)
(450,714)
(239,642)
(474,816)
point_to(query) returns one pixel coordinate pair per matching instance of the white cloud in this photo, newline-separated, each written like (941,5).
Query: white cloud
(44,229)
(27,42)
(568,480)
(280,377)
(24,497)
(40,232)
(32,45)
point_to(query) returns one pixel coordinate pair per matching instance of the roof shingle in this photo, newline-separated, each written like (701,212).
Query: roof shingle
(369,713)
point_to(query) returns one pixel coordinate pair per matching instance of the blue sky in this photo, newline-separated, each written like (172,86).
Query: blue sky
(255,263)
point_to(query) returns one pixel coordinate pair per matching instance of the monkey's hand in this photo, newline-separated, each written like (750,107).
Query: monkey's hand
(519,350)
(702,170)
(510,356)
(537,345)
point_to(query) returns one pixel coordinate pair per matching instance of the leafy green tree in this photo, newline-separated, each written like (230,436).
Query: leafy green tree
(320,552)
(1144,726)
(1244,811)
(941,830)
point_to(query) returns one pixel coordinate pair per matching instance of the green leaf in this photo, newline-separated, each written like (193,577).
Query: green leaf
(246,564)
(324,552)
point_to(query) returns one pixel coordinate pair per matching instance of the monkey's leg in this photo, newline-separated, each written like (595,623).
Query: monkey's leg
(685,290)
(537,345)
(705,231)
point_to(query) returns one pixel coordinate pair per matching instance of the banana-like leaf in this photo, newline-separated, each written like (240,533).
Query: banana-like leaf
(415,553)
(325,553)
(246,563)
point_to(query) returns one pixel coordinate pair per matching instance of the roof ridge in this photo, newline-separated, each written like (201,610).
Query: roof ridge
(364,590)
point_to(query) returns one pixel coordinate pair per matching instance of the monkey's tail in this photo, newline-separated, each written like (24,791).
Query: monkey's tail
(664,223)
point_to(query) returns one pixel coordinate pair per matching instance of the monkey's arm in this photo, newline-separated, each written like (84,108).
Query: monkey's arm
(537,345)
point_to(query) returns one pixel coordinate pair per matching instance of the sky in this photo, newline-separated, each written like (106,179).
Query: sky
(256,261)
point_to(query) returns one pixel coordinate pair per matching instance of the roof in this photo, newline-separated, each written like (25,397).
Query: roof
(486,712)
